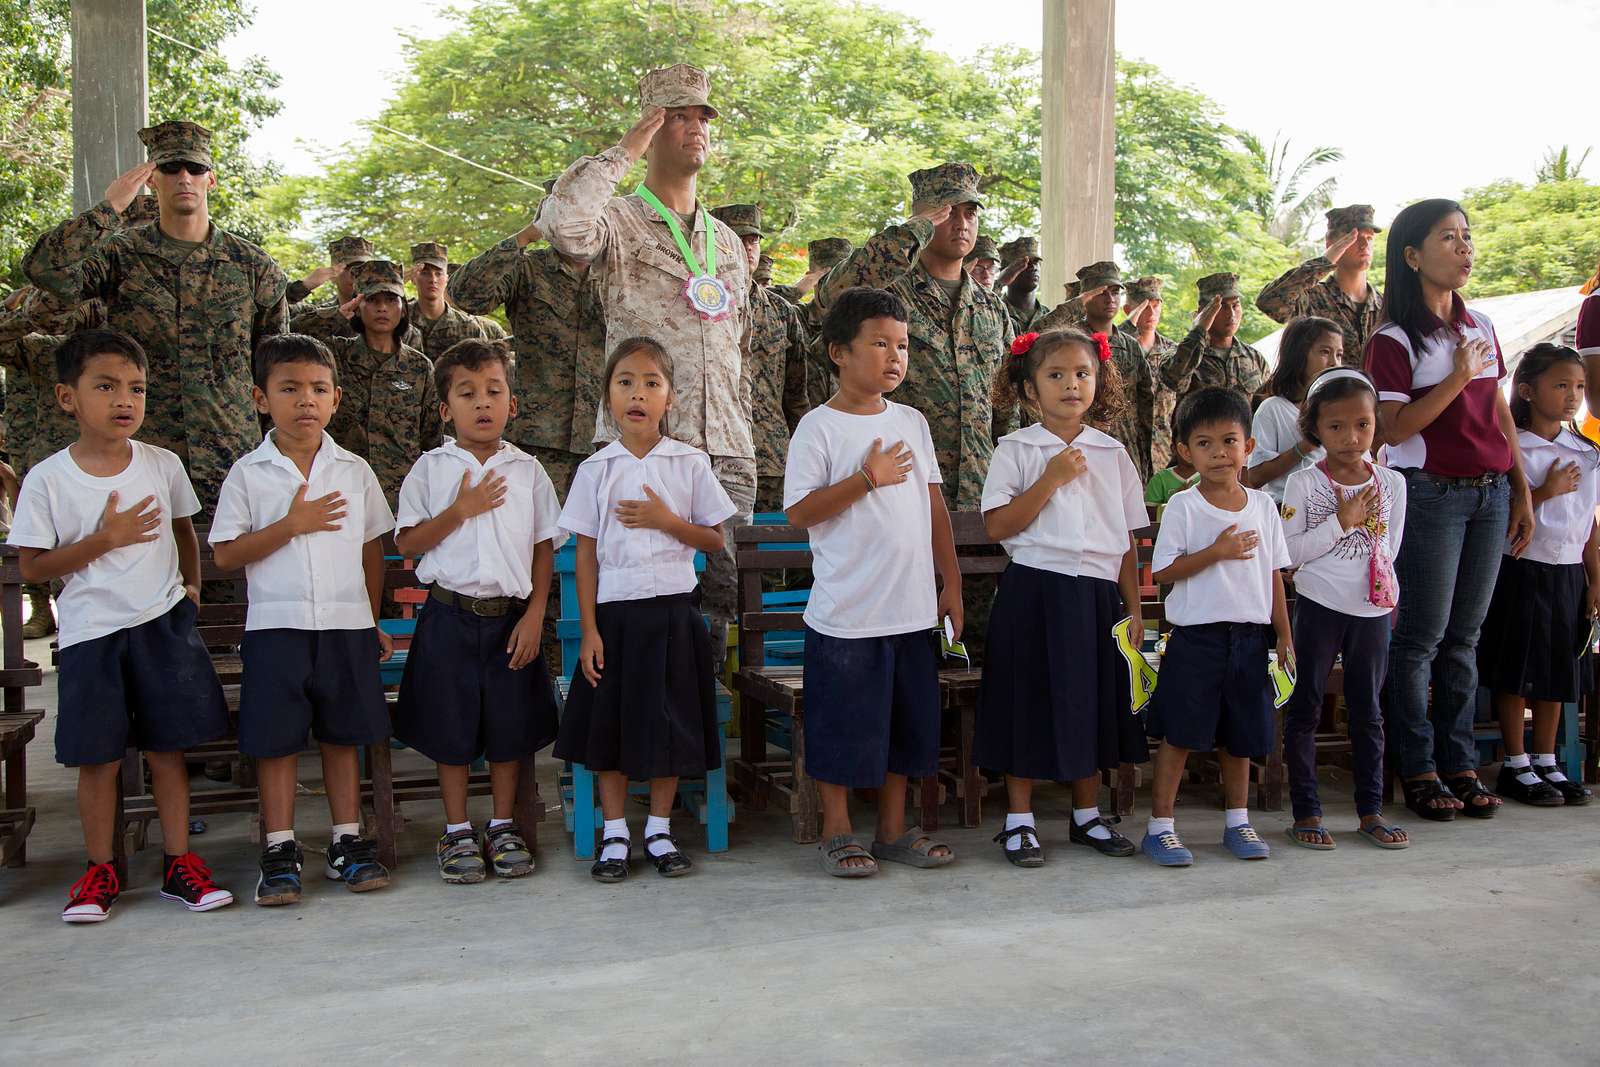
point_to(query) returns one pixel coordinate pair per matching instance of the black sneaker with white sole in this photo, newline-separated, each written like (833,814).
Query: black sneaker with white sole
(354,861)
(279,882)
(188,881)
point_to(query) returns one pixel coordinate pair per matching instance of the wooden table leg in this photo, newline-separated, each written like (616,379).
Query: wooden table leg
(529,811)
(805,807)
(383,806)
(972,783)
(16,794)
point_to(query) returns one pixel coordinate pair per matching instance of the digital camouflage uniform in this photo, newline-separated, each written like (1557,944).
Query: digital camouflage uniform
(198,313)
(388,411)
(452,325)
(983,247)
(1023,319)
(1156,406)
(636,267)
(341,253)
(821,376)
(763,275)
(492,328)
(326,322)
(1197,363)
(1311,289)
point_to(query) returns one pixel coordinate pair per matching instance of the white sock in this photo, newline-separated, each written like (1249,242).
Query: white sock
(1236,817)
(1155,827)
(343,829)
(452,827)
(615,828)
(1085,816)
(1521,761)
(1015,819)
(495,824)
(653,825)
(278,837)
(1548,759)
(1521,764)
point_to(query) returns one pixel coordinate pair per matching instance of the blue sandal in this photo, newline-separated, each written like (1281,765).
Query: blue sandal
(1371,834)
(1323,843)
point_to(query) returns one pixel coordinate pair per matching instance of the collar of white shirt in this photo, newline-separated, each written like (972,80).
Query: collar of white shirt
(1040,437)
(1565,440)
(667,446)
(507,453)
(328,452)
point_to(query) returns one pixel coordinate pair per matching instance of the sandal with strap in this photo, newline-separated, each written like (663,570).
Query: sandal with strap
(611,870)
(1468,788)
(915,849)
(1421,795)
(1115,845)
(672,864)
(841,847)
(1371,834)
(1024,855)
(1324,840)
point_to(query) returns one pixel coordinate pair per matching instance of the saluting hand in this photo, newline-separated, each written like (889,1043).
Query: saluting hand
(1336,246)
(319,277)
(125,186)
(636,140)
(1208,314)
(136,526)
(936,214)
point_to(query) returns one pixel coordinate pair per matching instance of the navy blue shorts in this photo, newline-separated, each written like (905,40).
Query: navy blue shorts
(872,707)
(459,697)
(299,682)
(1213,691)
(151,687)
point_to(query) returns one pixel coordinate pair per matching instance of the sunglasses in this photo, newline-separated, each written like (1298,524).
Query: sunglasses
(189,165)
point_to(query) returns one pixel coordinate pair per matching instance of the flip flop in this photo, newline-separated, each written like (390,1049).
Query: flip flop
(913,848)
(1371,834)
(840,847)
(1324,842)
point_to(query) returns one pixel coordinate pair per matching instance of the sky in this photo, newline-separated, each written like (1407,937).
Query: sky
(1425,97)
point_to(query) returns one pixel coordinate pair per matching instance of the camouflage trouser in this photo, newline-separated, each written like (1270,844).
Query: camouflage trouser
(769,493)
(561,467)
(720,582)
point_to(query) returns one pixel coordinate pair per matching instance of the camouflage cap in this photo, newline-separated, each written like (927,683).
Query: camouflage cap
(375,276)
(679,85)
(1012,251)
(763,272)
(177,142)
(983,248)
(825,253)
(1354,217)
(742,219)
(1097,275)
(948,183)
(142,208)
(348,250)
(432,253)
(1147,288)
(451,268)
(1218,286)
(1072,289)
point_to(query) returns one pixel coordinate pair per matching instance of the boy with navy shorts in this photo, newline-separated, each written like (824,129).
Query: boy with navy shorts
(1221,547)
(111,517)
(482,514)
(862,478)
(304,518)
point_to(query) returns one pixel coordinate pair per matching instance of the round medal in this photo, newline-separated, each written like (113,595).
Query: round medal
(709,297)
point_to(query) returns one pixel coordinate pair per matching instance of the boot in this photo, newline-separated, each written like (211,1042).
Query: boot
(41,619)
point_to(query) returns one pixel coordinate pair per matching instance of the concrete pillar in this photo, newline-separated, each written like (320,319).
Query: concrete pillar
(109,94)
(1077,166)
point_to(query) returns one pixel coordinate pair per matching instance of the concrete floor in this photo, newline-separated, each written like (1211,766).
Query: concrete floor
(1474,946)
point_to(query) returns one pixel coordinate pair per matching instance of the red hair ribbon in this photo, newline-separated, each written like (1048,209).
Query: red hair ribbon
(1020,346)
(1102,345)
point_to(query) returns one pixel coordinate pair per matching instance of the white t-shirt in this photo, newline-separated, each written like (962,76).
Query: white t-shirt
(1276,429)
(491,554)
(637,564)
(1561,525)
(1235,590)
(1084,526)
(316,581)
(61,505)
(1335,565)
(872,564)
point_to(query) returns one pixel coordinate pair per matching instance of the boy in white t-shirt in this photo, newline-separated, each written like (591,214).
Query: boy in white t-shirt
(862,477)
(304,518)
(111,517)
(1220,547)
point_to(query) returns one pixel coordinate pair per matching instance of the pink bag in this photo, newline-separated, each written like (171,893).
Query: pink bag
(1383,587)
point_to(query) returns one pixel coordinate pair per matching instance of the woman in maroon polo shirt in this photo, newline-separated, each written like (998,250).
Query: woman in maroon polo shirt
(1448,428)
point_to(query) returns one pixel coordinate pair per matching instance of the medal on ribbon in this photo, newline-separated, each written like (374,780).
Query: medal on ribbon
(704,291)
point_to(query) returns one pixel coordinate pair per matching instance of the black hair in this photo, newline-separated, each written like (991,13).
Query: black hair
(283,348)
(470,354)
(650,347)
(1207,406)
(400,328)
(1021,370)
(855,306)
(1340,388)
(1530,368)
(1402,286)
(80,347)
(1294,348)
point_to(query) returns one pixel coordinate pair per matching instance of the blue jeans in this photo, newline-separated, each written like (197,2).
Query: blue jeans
(1449,559)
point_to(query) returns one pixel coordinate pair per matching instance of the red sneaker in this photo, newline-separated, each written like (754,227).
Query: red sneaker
(92,895)
(189,882)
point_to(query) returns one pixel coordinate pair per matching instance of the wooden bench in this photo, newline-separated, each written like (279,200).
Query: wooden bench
(17,723)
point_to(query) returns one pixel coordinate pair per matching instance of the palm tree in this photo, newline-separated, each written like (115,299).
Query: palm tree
(1559,167)
(1286,211)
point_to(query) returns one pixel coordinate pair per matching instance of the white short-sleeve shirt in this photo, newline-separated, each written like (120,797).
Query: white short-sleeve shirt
(316,581)
(1084,526)
(60,505)
(1276,429)
(1235,590)
(872,564)
(1561,525)
(637,564)
(1335,565)
(489,555)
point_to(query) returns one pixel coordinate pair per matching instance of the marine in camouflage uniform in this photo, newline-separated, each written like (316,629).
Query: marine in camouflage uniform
(388,410)
(1155,424)
(327,321)
(1067,313)
(762,274)
(775,366)
(822,255)
(983,262)
(1313,288)
(452,324)
(1022,301)
(1202,359)
(198,311)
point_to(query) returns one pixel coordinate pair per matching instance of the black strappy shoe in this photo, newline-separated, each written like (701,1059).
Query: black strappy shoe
(611,870)
(1467,788)
(1115,845)
(672,864)
(1025,855)
(1421,794)
(1574,793)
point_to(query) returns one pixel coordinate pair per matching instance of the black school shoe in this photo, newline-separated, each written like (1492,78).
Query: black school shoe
(1540,794)
(611,871)
(354,861)
(1574,793)
(670,864)
(279,882)
(1115,845)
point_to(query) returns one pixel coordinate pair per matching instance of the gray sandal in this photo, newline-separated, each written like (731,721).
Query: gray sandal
(1323,843)
(915,849)
(1371,834)
(841,847)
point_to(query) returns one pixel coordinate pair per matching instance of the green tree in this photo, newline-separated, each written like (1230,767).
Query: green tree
(1559,166)
(1286,206)
(1530,237)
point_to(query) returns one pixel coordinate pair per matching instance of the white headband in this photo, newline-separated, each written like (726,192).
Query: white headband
(1334,375)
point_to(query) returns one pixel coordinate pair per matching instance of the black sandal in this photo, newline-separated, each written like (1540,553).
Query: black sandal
(1421,793)
(1025,855)
(669,864)
(1467,788)
(611,870)
(1115,845)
